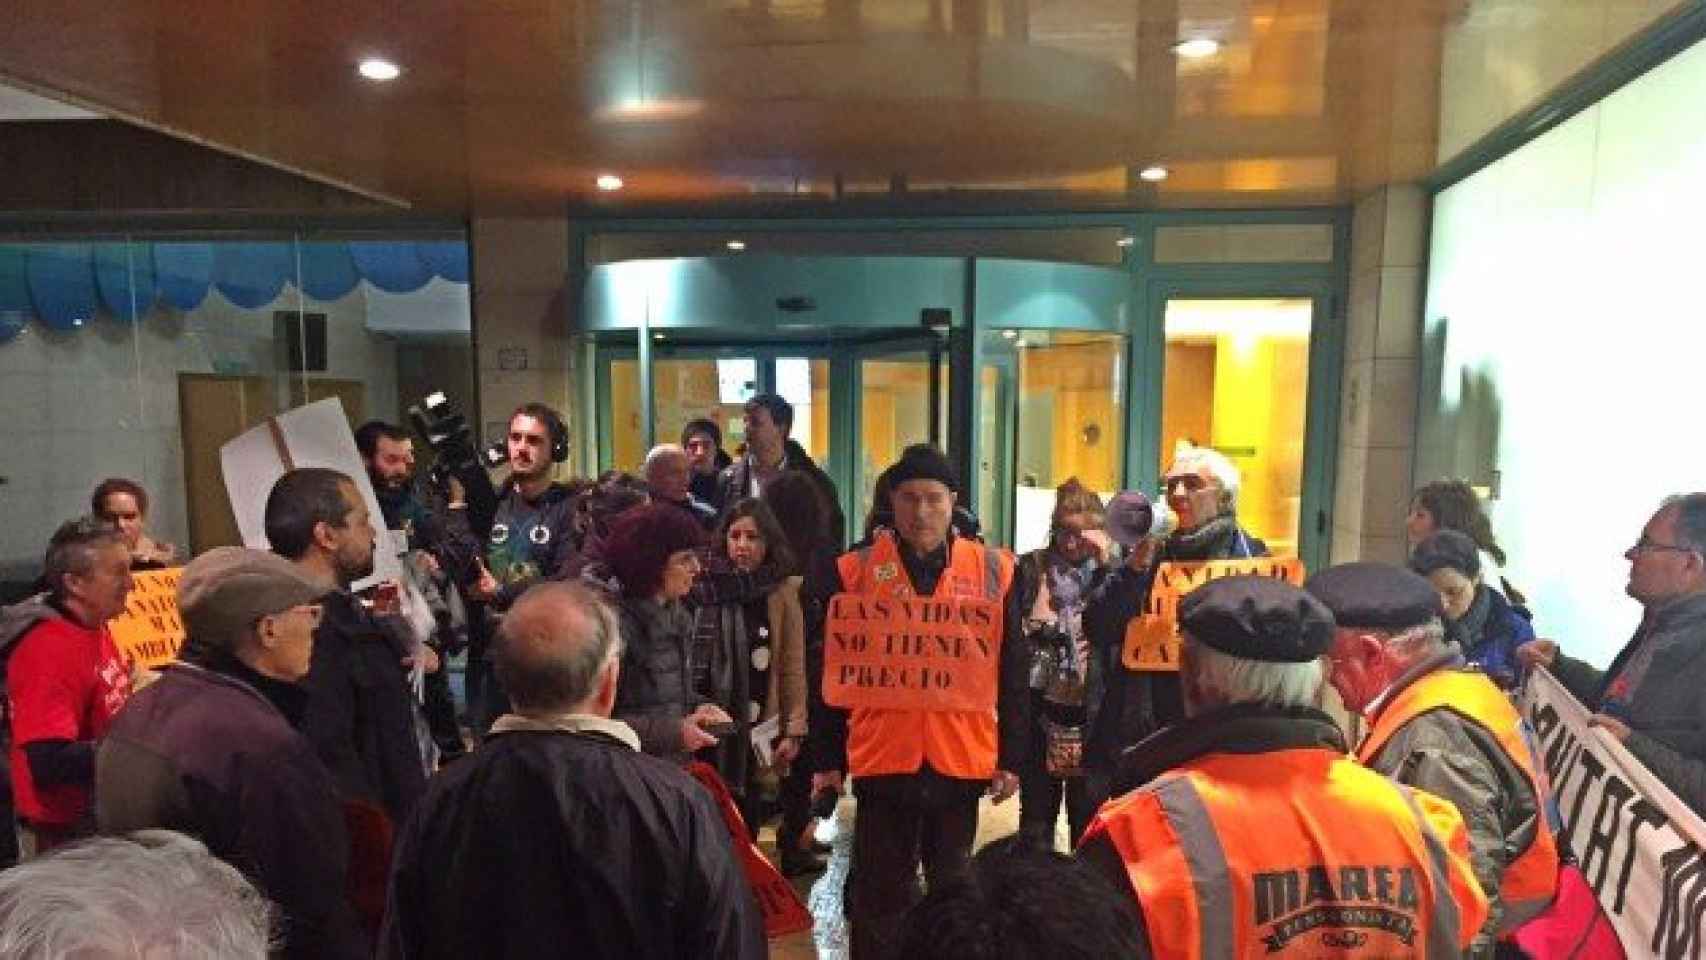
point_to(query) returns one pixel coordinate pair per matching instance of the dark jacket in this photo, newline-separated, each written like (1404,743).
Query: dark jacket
(206,754)
(735,485)
(360,715)
(654,691)
(1451,756)
(1666,713)
(555,843)
(1489,637)
(708,487)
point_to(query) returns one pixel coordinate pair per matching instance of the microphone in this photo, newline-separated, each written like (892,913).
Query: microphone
(1133,517)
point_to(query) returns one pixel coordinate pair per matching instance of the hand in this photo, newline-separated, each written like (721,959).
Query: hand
(707,713)
(1002,786)
(1611,725)
(1538,653)
(786,750)
(485,588)
(694,739)
(826,780)
(428,658)
(387,599)
(1142,556)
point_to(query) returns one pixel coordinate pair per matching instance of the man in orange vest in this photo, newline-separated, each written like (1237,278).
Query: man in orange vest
(1253,833)
(1438,726)
(920,758)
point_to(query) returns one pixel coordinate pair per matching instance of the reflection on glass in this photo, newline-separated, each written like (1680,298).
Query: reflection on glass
(1071,422)
(804,383)
(1237,379)
(894,411)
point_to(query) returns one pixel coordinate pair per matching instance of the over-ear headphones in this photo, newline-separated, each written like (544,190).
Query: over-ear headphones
(553,424)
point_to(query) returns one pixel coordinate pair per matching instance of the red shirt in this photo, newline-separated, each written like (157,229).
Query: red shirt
(66,683)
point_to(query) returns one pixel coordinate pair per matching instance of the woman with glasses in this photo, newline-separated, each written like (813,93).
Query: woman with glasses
(1484,624)
(1067,674)
(650,560)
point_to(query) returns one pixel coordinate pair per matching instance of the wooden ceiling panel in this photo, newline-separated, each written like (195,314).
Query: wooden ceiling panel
(518,104)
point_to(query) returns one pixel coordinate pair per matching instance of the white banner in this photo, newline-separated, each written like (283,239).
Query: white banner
(1638,845)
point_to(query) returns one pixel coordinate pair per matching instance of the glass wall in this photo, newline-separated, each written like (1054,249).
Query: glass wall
(1236,379)
(139,356)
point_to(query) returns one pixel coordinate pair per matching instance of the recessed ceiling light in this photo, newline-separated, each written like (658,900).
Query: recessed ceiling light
(1197,48)
(1125,242)
(609,181)
(1153,174)
(736,246)
(374,68)
(1010,334)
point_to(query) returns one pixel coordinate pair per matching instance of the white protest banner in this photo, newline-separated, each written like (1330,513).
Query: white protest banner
(315,435)
(1639,847)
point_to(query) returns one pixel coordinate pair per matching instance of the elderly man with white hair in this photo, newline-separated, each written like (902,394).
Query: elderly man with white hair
(1202,489)
(668,473)
(1251,829)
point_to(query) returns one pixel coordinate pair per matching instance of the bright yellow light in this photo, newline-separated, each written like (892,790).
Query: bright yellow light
(379,70)
(609,181)
(1197,48)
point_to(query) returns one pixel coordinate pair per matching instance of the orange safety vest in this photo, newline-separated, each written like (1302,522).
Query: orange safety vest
(1530,880)
(956,743)
(1293,853)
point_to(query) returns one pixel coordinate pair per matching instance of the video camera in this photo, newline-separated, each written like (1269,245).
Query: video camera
(446,432)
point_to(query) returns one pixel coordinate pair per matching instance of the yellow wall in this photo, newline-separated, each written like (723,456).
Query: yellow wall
(1081,376)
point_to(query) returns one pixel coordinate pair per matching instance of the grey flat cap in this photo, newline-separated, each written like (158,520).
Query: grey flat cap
(225,590)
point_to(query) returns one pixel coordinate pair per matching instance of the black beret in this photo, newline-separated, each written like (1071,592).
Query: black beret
(923,462)
(1257,618)
(1375,596)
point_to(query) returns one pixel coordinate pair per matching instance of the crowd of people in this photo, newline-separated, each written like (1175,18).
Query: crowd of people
(301,781)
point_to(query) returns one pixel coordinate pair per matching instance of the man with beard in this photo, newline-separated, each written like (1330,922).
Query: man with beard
(359,715)
(770,452)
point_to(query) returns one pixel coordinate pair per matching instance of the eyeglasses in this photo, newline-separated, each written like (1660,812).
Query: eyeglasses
(1648,545)
(1192,482)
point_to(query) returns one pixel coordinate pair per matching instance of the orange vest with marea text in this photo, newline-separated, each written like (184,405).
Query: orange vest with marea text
(1293,853)
(956,743)
(1531,878)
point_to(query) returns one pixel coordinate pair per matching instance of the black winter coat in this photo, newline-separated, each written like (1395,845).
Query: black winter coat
(559,844)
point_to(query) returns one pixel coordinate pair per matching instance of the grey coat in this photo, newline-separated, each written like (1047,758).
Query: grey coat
(653,692)
(1667,712)
(1451,756)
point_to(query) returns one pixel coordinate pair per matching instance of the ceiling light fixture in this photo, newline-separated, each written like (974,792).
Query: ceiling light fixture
(1153,173)
(379,70)
(736,246)
(1010,334)
(609,181)
(1197,48)
(1126,242)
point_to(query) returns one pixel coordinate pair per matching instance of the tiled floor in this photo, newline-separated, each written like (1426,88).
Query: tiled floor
(822,894)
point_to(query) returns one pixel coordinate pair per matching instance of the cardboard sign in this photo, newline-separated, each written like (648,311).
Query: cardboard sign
(784,913)
(149,631)
(1152,637)
(912,653)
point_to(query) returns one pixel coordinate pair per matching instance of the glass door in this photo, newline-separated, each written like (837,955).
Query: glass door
(902,391)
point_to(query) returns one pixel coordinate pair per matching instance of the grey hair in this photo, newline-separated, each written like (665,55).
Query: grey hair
(660,453)
(549,662)
(1414,643)
(1690,518)
(1221,680)
(158,894)
(72,550)
(1221,468)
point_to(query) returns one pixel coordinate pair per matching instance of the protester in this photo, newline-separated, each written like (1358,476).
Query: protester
(1017,902)
(1436,726)
(156,895)
(1251,827)
(1067,677)
(749,658)
(703,441)
(558,837)
(66,681)
(211,748)
(360,714)
(1649,698)
(1454,505)
(124,504)
(652,557)
(1202,491)
(769,453)
(668,473)
(918,773)
(1478,618)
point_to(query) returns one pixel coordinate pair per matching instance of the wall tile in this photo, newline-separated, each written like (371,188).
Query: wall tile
(1348,490)
(1399,326)
(1391,550)
(1355,400)
(1368,232)
(1362,319)
(1406,220)
(1392,403)
(1386,497)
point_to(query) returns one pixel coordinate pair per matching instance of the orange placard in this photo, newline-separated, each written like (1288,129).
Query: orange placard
(149,631)
(784,912)
(913,653)
(1152,637)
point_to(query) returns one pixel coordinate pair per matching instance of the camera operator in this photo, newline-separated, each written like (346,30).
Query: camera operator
(531,539)
(389,455)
